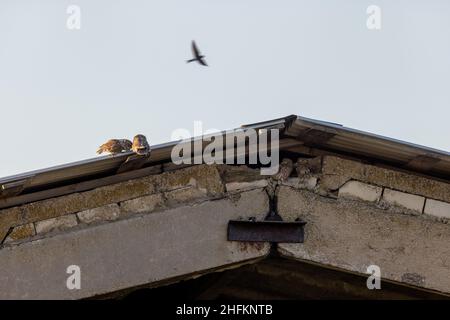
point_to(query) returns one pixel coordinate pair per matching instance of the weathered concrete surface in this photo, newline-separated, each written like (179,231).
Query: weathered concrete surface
(241,186)
(21,232)
(125,253)
(336,171)
(203,177)
(56,224)
(142,204)
(241,173)
(9,218)
(437,208)
(103,229)
(406,200)
(301,183)
(106,213)
(352,235)
(359,190)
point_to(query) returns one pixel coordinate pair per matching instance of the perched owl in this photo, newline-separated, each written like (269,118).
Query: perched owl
(308,166)
(286,167)
(140,145)
(114,146)
(302,166)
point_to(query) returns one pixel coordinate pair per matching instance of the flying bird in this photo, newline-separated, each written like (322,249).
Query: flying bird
(140,145)
(286,168)
(114,146)
(197,55)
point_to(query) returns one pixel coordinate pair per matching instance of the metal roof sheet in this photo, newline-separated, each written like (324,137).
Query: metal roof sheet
(309,132)
(341,139)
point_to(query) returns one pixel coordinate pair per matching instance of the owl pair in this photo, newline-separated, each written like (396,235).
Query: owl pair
(114,146)
(302,166)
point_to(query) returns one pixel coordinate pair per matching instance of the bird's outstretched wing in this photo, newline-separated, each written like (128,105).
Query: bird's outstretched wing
(195,50)
(107,146)
(202,61)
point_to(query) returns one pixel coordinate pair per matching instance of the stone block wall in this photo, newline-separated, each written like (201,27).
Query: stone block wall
(112,202)
(356,213)
(329,176)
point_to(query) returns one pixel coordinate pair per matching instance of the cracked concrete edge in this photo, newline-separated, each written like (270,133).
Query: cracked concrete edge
(162,246)
(353,235)
(288,254)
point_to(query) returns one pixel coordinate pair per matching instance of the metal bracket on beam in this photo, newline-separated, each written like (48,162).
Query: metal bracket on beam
(266,231)
(272,229)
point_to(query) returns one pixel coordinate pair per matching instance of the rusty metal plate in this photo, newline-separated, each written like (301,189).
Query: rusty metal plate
(266,231)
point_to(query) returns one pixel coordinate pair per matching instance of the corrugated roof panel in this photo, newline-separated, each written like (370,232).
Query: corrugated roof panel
(376,149)
(338,138)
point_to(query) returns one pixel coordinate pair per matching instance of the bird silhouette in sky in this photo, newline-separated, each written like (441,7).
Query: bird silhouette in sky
(197,55)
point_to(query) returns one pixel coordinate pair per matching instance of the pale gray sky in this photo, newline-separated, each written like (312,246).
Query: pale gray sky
(63,93)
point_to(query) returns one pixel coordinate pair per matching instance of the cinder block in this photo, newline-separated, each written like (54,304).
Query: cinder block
(54,224)
(142,204)
(359,190)
(185,195)
(308,183)
(406,200)
(437,208)
(336,168)
(21,232)
(105,213)
(239,186)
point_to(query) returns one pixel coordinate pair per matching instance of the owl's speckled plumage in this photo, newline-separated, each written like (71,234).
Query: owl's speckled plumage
(114,146)
(302,166)
(140,145)
(308,166)
(286,168)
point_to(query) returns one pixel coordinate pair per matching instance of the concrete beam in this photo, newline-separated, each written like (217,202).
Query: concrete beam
(144,249)
(352,235)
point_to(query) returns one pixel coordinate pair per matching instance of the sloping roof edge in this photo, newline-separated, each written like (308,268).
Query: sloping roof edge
(309,132)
